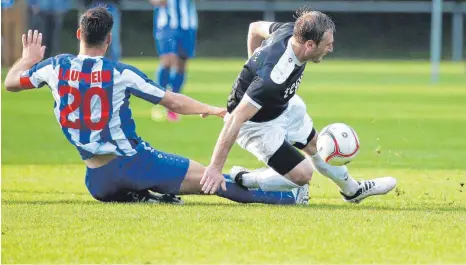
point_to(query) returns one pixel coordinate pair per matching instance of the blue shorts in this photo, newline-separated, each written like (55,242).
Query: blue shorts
(178,41)
(148,169)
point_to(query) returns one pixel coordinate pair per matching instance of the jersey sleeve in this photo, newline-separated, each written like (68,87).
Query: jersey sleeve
(141,86)
(274,26)
(263,90)
(38,75)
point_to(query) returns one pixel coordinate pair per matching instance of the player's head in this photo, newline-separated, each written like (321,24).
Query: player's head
(314,30)
(95,26)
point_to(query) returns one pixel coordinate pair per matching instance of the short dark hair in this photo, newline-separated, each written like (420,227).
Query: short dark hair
(311,25)
(95,23)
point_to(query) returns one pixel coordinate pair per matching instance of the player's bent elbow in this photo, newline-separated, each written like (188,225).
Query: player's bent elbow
(254,27)
(11,86)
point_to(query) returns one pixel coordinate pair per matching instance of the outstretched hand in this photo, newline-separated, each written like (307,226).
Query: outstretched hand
(220,112)
(32,46)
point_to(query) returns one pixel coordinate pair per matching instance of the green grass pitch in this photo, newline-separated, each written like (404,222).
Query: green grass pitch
(408,129)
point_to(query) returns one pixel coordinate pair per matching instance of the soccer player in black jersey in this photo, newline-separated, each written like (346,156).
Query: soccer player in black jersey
(267,119)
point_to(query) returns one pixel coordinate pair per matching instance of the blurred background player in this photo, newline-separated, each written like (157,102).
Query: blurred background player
(47,17)
(113,6)
(12,28)
(175,29)
(92,97)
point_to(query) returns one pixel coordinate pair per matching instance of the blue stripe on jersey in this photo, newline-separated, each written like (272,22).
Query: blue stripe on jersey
(108,87)
(128,126)
(127,123)
(65,65)
(84,132)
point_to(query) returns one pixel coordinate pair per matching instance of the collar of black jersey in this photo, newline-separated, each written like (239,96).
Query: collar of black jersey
(290,52)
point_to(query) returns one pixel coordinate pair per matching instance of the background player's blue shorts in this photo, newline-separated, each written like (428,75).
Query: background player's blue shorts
(178,41)
(148,169)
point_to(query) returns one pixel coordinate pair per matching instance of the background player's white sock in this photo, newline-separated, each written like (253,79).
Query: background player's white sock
(339,175)
(267,179)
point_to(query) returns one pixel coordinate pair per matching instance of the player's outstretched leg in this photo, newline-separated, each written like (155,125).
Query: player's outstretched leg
(352,191)
(289,171)
(191,185)
(164,173)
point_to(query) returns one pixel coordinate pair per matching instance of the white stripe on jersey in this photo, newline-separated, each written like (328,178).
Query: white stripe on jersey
(184,14)
(36,77)
(162,18)
(115,123)
(130,77)
(172,10)
(76,65)
(192,15)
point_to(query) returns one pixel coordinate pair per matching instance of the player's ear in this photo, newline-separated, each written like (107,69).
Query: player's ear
(109,38)
(311,45)
(78,34)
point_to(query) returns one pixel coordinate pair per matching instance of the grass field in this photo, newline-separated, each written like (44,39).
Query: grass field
(408,129)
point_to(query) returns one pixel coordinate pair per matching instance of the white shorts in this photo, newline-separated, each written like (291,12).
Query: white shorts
(262,139)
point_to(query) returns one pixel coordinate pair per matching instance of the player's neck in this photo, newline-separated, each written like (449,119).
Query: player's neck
(91,51)
(297,49)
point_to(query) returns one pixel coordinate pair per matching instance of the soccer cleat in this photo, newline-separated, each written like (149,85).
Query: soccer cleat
(301,195)
(172,116)
(378,186)
(236,174)
(150,197)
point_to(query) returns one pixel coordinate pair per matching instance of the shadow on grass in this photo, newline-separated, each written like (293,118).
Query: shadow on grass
(348,207)
(45,192)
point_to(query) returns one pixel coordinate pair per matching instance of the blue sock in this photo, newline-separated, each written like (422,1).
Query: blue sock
(163,76)
(239,194)
(176,81)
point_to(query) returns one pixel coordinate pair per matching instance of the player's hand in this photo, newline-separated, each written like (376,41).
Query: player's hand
(212,180)
(220,112)
(158,2)
(32,46)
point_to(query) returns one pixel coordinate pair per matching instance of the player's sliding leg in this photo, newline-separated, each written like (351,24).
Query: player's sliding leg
(352,190)
(191,185)
(289,171)
(161,172)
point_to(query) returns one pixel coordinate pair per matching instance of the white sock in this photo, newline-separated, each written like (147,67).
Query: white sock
(268,180)
(339,175)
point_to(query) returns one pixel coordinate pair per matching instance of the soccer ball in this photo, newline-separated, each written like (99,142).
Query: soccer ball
(338,144)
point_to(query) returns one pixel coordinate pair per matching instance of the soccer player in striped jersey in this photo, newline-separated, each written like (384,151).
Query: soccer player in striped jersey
(92,97)
(175,29)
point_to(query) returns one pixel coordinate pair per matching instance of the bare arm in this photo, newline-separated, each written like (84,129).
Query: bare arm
(185,105)
(258,31)
(213,177)
(33,52)
(12,80)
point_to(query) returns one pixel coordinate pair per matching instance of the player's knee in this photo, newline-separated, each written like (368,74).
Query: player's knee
(180,65)
(168,60)
(302,175)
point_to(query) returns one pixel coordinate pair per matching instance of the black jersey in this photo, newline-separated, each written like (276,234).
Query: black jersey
(271,76)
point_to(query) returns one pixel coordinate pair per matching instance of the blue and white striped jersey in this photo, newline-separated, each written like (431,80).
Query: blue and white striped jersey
(177,14)
(92,100)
